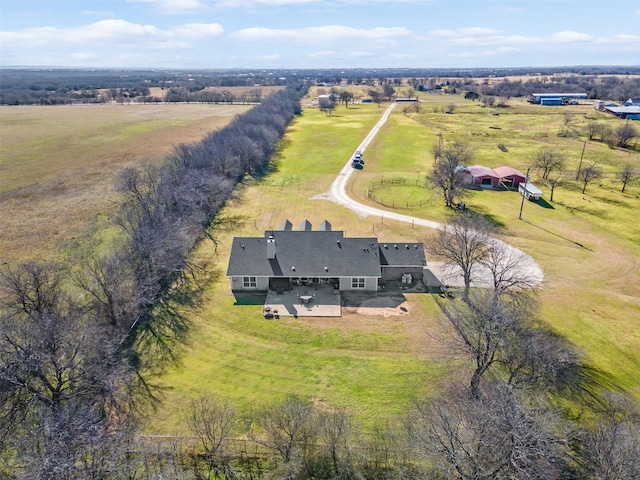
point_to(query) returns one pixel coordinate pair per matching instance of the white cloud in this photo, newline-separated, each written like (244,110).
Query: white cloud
(174,6)
(571,37)
(112,32)
(326,33)
(507,49)
(458,32)
(200,30)
(480,37)
(627,38)
(264,3)
(97,13)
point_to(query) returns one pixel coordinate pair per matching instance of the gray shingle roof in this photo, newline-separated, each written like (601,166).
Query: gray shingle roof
(402,254)
(309,252)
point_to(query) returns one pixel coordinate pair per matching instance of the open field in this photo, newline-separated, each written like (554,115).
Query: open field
(375,363)
(58,166)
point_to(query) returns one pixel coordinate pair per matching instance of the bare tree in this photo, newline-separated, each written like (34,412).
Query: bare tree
(484,326)
(463,243)
(288,428)
(593,129)
(495,436)
(111,289)
(336,430)
(376,96)
(548,160)
(212,421)
(625,133)
(588,174)
(554,182)
(511,270)
(568,119)
(445,175)
(388,91)
(628,176)
(346,96)
(611,448)
(65,382)
(488,100)
(608,136)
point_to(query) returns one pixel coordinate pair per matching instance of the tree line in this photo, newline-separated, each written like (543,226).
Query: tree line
(60,86)
(80,339)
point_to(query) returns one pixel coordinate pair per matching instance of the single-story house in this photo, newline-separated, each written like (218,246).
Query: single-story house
(509,176)
(530,191)
(280,259)
(480,175)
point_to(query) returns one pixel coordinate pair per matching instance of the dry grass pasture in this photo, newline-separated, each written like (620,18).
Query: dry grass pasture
(58,166)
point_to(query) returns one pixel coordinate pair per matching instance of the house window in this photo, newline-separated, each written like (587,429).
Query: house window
(249,282)
(357,282)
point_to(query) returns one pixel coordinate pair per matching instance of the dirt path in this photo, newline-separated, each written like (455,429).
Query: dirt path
(338,194)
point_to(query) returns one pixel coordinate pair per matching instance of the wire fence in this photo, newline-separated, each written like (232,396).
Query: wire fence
(394,199)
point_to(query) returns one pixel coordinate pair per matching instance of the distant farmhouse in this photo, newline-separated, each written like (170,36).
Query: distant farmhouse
(556,98)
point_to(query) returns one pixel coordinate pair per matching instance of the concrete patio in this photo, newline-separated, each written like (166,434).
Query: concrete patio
(323,302)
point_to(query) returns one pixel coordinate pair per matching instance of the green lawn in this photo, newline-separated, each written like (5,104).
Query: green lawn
(375,365)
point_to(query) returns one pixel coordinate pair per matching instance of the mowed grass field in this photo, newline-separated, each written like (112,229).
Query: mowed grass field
(59,165)
(376,363)
(587,244)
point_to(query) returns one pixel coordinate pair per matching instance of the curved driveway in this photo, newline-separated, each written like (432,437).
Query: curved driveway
(338,194)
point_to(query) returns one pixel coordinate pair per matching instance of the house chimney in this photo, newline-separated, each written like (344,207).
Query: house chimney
(271,247)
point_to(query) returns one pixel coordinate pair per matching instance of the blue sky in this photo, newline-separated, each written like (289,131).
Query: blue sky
(318,33)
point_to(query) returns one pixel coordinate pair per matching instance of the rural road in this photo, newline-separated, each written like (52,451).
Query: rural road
(338,194)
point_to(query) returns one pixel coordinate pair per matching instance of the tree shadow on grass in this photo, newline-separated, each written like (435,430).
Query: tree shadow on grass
(557,235)
(491,219)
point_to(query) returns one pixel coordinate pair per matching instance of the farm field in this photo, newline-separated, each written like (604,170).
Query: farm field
(375,364)
(59,165)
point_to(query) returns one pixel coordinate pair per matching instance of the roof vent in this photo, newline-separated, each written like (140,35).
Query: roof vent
(326,269)
(293,268)
(338,242)
(395,246)
(407,247)
(385,247)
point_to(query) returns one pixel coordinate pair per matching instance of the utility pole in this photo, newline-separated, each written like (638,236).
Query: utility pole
(581,157)
(526,181)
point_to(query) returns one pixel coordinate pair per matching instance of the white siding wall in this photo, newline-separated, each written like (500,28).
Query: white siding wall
(371,284)
(237,284)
